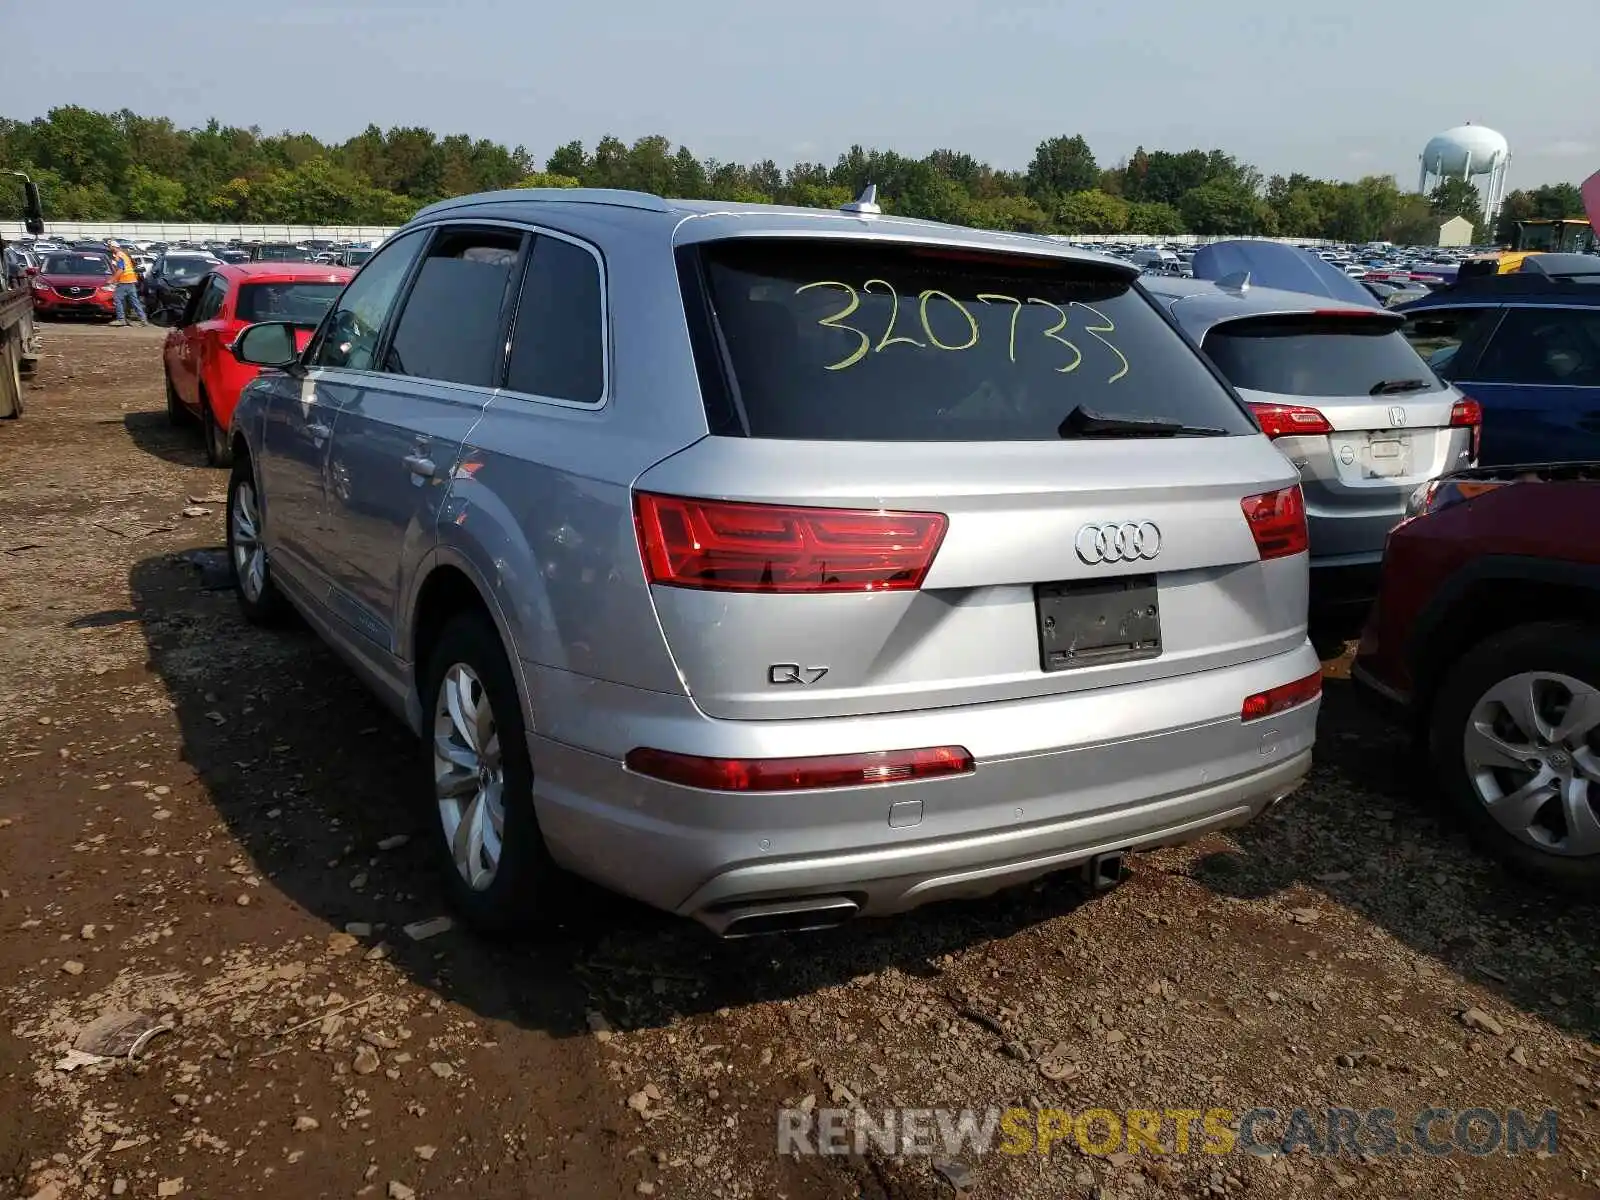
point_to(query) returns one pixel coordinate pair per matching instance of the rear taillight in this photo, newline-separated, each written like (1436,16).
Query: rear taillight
(1287,420)
(1440,494)
(1281,699)
(734,547)
(1468,413)
(1277,522)
(798,774)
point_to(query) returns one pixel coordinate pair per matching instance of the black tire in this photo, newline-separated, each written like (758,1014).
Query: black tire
(219,451)
(514,901)
(177,414)
(268,607)
(1568,648)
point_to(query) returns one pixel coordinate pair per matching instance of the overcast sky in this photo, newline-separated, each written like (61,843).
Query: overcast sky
(1334,90)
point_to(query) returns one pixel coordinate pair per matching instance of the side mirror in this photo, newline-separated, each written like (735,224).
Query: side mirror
(268,344)
(32,208)
(30,270)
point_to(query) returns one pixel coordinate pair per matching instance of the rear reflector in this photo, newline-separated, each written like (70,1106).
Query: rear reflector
(1469,413)
(1287,420)
(723,546)
(798,774)
(1277,522)
(1281,699)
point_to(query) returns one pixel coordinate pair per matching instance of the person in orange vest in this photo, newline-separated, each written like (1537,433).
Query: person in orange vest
(126,279)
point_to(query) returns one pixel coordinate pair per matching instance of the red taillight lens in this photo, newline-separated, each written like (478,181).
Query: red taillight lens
(1277,522)
(799,774)
(1468,412)
(723,546)
(1286,420)
(1281,699)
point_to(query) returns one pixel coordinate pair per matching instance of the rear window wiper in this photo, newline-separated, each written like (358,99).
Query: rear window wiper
(1081,423)
(1390,387)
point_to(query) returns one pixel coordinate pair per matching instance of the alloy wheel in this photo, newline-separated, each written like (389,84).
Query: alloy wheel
(1532,750)
(469,776)
(249,555)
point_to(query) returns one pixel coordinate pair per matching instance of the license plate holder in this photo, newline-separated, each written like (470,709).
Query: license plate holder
(1093,622)
(1388,455)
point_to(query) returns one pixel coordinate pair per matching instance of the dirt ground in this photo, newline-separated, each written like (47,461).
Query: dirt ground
(214,828)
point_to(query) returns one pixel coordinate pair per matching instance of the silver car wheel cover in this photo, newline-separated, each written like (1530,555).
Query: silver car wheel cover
(249,555)
(468,776)
(1532,753)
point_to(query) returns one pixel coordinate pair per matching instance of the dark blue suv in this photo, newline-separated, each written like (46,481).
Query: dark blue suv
(1526,346)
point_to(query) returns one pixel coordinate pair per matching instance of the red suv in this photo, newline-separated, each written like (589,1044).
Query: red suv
(1486,637)
(74,283)
(203,377)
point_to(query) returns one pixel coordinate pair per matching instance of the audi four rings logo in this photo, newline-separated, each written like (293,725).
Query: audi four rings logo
(1123,541)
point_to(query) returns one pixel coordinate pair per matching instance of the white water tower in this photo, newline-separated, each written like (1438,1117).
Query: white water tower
(1468,152)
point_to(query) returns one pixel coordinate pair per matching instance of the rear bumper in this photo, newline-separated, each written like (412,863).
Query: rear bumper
(1057,782)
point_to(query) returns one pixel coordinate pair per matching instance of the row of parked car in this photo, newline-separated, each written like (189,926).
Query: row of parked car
(775,568)
(76,281)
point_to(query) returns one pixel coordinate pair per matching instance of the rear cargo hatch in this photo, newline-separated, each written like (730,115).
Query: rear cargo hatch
(1350,401)
(942,478)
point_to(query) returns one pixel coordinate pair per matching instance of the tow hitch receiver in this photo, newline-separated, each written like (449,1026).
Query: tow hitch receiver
(1103,871)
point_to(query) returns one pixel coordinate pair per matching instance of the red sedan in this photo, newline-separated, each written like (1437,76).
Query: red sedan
(203,377)
(73,283)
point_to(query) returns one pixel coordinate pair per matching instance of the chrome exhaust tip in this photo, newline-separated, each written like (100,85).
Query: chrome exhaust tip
(797,915)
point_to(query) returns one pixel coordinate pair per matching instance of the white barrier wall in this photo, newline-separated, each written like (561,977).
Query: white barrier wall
(183,231)
(179,231)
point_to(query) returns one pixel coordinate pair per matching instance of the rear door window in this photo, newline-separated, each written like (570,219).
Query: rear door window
(855,341)
(452,327)
(1318,356)
(558,346)
(1555,347)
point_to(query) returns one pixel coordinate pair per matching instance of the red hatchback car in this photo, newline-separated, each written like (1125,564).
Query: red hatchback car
(1485,639)
(203,377)
(74,283)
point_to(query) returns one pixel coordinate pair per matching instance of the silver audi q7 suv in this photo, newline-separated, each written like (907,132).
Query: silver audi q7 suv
(776,565)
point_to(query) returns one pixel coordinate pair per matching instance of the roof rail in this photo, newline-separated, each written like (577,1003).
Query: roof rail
(617,197)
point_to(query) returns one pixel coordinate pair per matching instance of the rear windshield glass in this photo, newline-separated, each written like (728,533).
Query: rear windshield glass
(1345,356)
(302,302)
(77,264)
(851,341)
(282,254)
(187,269)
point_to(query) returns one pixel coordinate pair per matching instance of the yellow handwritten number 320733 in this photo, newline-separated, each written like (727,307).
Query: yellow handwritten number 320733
(866,345)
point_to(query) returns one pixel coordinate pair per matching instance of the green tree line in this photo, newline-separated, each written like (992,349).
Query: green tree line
(95,166)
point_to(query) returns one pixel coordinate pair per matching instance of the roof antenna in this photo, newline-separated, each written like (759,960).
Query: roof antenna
(1238,282)
(866,204)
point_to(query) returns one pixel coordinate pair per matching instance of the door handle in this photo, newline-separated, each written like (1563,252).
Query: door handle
(420,464)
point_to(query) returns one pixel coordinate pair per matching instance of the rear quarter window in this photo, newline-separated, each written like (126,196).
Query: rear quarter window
(1317,356)
(854,341)
(1450,339)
